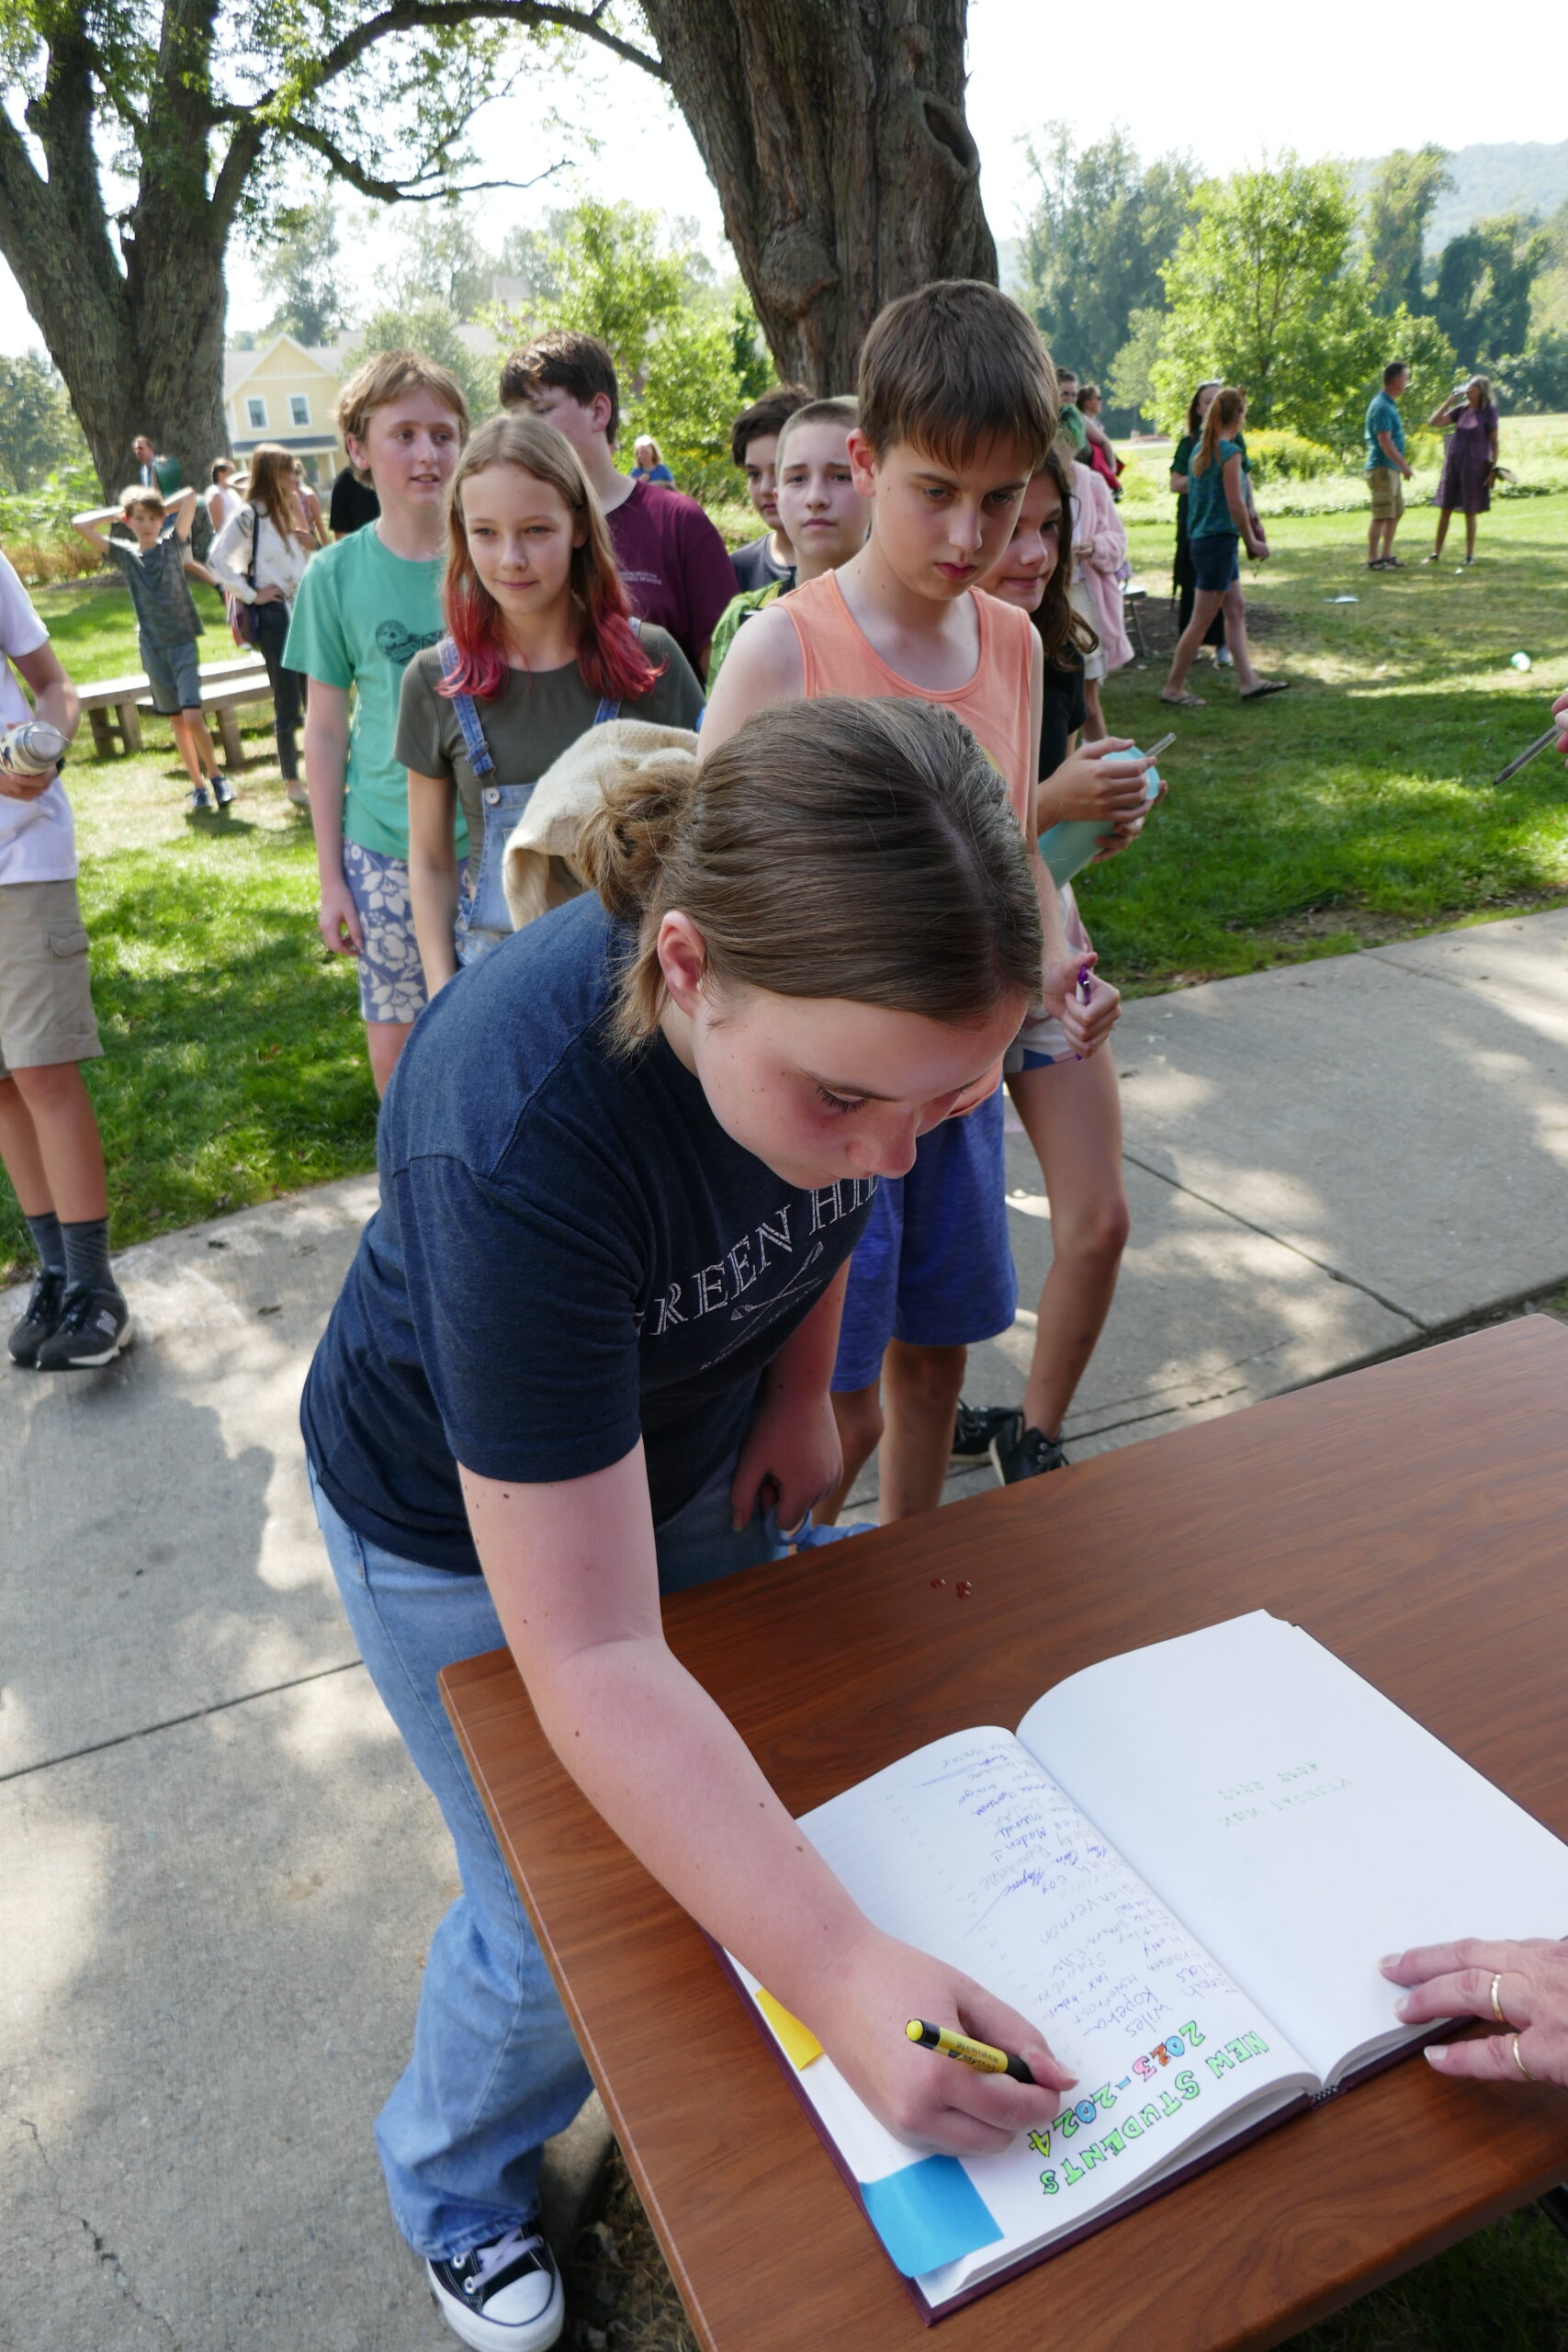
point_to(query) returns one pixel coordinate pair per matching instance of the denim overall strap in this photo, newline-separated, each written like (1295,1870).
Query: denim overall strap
(609,709)
(474,742)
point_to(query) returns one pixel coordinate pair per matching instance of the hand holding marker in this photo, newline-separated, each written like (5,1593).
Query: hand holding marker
(968,2052)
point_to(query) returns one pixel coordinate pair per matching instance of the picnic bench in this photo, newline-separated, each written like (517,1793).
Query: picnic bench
(226,685)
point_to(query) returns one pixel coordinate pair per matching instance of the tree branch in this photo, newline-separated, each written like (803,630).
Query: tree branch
(412,191)
(412,15)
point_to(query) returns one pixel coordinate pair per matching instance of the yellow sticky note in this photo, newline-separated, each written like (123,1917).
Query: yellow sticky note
(799,2045)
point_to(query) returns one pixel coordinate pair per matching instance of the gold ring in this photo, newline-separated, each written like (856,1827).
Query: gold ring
(1520,2062)
(1496,2004)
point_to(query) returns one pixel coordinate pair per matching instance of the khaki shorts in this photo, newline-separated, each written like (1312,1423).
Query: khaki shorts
(1387,486)
(46,998)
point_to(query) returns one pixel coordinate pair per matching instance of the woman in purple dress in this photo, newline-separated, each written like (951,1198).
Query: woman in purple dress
(1470,420)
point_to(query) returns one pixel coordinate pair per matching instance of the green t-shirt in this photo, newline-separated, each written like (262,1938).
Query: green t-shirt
(1071,425)
(538,714)
(1382,417)
(361,615)
(726,628)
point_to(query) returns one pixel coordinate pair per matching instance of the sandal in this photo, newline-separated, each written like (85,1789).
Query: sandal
(1183,701)
(1267,686)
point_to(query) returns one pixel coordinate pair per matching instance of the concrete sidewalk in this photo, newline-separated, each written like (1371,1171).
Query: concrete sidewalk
(220,1873)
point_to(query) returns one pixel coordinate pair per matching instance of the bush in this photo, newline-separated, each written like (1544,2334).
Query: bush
(35,527)
(1289,456)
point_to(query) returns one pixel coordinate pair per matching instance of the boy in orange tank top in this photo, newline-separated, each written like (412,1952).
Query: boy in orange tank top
(957,408)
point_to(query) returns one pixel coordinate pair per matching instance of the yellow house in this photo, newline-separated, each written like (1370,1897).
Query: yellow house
(287,393)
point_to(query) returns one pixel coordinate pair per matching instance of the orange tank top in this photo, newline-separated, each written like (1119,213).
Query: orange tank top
(838,659)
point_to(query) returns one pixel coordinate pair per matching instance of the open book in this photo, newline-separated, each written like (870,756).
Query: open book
(1185,1867)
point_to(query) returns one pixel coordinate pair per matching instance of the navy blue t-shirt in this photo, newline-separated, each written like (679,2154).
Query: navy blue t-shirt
(570,1252)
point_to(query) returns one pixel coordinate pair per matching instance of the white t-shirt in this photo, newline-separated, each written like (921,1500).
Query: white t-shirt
(38,840)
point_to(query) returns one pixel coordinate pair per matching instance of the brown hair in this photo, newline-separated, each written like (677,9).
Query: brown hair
(1195,421)
(1227,407)
(577,364)
(385,378)
(843,411)
(1062,630)
(140,495)
(220,465)
(770,414)
(834,848)
(272,486)
(953,366)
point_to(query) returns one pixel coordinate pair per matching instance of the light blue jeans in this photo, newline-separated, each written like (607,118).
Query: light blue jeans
(495,2070)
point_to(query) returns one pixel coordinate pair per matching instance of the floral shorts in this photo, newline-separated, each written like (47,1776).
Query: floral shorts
(391,978)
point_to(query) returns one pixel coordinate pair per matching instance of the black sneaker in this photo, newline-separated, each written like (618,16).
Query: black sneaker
(1017,1452)
(976,1427)
(222,791)
(41,1318)
(504,2297)
(93,1327)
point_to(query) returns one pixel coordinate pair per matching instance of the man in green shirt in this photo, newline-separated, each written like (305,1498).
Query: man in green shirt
(1387,470)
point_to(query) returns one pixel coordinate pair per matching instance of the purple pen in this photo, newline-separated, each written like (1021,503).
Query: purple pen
(1085,982)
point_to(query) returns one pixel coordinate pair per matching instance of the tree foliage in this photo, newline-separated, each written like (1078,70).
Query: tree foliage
(1484,281)
(439,257)
(431,328)
(1102,226)
(685,352)
(1405,190)
(37,432)
(301,273)
(1266,289)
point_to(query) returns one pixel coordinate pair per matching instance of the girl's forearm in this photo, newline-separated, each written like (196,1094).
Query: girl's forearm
(433,895)
(326,766)
(697,1812)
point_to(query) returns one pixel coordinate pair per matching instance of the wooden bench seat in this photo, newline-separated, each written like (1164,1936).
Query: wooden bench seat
(116,704)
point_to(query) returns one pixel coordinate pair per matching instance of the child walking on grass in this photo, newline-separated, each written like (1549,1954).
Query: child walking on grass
(540,646)
(166,620)
(365,607)
(1220,515)
(957,409)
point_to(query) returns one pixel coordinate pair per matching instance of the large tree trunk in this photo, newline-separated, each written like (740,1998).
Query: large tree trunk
(834,132)
(140,348)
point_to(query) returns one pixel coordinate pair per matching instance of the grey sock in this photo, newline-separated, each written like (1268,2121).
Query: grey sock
(47,1242)
(87,1254)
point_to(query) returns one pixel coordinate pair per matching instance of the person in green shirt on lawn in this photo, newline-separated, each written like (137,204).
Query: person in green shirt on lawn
(1387,470)
(365,607)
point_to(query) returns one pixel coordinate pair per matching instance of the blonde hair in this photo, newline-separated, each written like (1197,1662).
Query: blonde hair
(377,381)
(271,486)
(150,501)
(834,848)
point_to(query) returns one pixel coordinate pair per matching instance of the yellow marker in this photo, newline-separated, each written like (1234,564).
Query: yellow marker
(979,2054)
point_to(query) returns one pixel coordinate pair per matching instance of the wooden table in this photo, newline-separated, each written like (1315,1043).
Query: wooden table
(1413,1517)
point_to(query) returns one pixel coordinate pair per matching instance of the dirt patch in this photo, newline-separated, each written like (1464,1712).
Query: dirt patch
(1158,613)
(1311,924)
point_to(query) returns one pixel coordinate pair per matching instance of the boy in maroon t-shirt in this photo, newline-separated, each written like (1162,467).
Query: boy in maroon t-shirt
(674,564)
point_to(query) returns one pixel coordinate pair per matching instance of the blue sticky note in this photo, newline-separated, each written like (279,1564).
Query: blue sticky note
(928,2214)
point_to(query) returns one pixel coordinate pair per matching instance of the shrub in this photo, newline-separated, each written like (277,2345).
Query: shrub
(1289,456)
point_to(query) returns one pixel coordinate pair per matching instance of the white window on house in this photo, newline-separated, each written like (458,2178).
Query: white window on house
(299,409)
(255,410)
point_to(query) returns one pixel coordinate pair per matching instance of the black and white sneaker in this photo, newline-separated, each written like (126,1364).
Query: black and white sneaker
(199,800)
(1017,1452)
(222,790)
(41,1318)
(504,2297)
(95,1327)
(976,1427)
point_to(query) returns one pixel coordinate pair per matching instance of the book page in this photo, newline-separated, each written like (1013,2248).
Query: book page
(1301,1823)
(969,1850)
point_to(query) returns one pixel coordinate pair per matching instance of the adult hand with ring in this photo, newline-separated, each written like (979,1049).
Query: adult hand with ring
(1521,1987)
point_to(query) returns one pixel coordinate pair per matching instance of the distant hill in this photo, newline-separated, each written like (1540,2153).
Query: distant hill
(1526,176)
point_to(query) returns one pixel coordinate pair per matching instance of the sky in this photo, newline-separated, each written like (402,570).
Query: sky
(1267,82)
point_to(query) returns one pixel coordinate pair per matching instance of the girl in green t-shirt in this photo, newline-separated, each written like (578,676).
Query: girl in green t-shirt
(1219,516)
(540,646)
